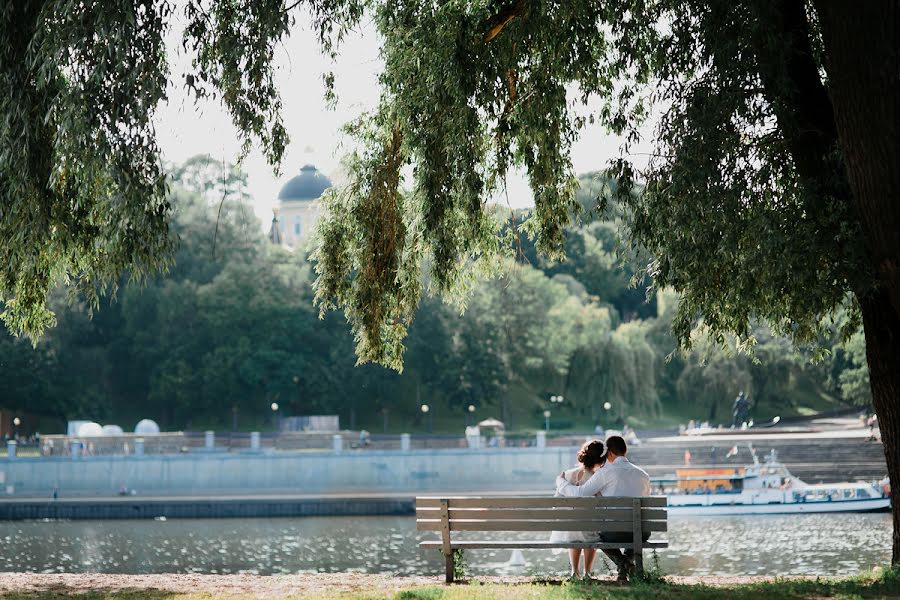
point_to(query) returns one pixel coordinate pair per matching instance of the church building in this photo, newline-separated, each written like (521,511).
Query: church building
(299,208)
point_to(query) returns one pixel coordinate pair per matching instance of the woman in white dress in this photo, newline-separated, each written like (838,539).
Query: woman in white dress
(591,457)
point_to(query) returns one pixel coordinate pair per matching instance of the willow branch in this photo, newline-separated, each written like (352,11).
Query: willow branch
(498,22)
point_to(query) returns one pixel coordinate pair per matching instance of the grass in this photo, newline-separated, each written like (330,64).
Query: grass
(875,584)
(869,585)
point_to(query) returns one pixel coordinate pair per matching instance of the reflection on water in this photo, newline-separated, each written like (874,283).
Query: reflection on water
(836,544)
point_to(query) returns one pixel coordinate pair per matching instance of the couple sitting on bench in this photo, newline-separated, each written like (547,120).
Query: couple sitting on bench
(607,474)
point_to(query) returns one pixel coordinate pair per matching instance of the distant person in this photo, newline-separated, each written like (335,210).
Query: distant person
(740,410)
(599,431)
(872,422)
(617,478)
(591,458)
(630,436)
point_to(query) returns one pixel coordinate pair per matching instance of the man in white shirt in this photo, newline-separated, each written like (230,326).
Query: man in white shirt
(618,477)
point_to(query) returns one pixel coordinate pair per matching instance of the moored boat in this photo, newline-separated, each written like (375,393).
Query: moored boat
(767,488)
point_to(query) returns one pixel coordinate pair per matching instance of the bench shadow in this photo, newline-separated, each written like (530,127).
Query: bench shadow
(545,581)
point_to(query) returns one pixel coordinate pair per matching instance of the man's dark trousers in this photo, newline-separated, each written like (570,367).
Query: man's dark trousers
(616,555)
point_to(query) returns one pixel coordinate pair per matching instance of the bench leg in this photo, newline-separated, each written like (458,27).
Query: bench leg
(450,566)
(639,563)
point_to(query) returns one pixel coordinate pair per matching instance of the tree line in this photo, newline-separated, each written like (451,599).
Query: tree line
(232,328)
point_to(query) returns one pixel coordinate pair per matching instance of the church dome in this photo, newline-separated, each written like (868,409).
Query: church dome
(308,185)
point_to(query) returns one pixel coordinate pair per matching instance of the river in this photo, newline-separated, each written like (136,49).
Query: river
(824,544)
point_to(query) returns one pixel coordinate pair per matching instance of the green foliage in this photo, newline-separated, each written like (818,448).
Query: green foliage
(496,110)
(234,43)
(744,212)
(459,564)
(232,326)
(80,181)
(740,222)
(853,378)
(745,208)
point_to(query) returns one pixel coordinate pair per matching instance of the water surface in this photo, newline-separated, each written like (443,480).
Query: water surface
(828,544)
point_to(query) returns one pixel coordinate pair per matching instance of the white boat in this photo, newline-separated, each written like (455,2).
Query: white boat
(763,489)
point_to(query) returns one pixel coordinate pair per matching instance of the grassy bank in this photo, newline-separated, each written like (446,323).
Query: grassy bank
(878,584)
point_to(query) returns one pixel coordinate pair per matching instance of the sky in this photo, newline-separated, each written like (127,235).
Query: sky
(186,128)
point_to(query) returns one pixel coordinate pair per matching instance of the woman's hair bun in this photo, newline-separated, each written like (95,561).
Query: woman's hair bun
(591,454)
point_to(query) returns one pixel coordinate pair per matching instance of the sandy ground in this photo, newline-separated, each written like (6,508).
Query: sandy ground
(275,586)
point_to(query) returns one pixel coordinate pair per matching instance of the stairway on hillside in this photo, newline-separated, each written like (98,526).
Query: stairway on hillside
(812,460)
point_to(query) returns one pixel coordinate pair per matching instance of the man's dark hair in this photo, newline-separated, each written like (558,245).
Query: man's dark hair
(591,454)
(616,445)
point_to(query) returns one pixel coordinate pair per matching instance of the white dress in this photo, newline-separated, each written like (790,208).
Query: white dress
(575,476)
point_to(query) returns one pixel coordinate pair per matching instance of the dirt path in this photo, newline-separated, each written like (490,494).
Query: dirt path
(275,586)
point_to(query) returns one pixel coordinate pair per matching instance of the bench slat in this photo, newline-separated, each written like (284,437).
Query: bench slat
(537,544)
(549,502)
(545,525)
(610,514)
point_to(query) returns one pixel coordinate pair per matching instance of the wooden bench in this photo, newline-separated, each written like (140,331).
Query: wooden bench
(516,513)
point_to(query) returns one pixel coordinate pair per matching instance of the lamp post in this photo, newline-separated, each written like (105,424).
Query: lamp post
(471,411)
(274,408)
(554,400)
(16,422)
(427,415)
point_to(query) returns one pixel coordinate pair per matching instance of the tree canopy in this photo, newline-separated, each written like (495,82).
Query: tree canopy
(231,328)
(746,210)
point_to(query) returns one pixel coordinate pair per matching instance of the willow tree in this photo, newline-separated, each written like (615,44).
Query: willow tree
(772,193)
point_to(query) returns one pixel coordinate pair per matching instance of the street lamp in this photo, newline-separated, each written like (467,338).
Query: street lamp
(471,410)
(16,422)
(546,420)
(556,399)
(274,408)
(425,410)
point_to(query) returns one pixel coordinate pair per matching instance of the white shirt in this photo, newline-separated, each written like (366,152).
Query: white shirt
(616,478)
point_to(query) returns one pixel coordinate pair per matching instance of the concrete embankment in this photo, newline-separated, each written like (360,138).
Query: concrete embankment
(221,484)
(204,507)
(352,472)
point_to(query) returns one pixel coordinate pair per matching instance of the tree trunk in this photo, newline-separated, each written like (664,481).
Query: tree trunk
(862,53)
(882,328)
(862,50)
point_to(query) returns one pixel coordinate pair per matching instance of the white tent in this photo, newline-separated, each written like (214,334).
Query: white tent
(146,427)
(90,429)
(492,423)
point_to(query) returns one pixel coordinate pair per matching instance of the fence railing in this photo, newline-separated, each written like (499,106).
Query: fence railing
(229,441)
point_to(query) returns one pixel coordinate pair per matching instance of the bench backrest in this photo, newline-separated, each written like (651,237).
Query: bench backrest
(517,513)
